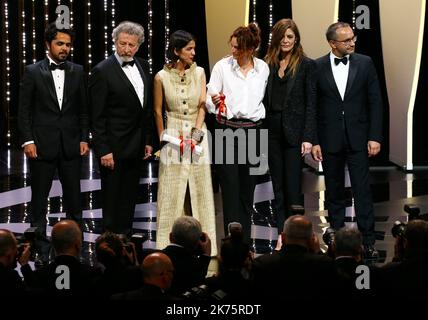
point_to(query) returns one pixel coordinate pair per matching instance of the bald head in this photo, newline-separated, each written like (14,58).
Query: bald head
(298,230)
(67,238)
(158,270)
(416,235)
(8,248)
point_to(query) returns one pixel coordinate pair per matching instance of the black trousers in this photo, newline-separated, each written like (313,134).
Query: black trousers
(285,166)
(236,183)
(42,174)
(119,188)
(334,173)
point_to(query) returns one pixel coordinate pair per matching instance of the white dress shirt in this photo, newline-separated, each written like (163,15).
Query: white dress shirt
(244,95)
(58,78)
(340,74)
(134,76)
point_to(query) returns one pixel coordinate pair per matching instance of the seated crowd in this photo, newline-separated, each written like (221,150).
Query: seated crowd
(297,269)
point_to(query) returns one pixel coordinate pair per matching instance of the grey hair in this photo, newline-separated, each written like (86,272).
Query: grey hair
(348,242)
(331,30)
(131,28)
(298,227)
(186,231)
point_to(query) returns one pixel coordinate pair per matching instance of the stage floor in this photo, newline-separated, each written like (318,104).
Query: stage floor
(391,188)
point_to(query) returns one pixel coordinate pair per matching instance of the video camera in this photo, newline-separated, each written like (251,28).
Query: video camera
(136,241)
(414,213)
(200,293)
(29,237)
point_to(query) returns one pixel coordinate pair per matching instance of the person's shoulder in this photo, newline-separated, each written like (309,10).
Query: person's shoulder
(361,57)
(322,59)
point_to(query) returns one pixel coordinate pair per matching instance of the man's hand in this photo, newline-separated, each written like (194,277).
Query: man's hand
(30,151)
(84,148)
(108,161)
(306,148)
(373,148)
(148,151)
(316,153)
(25,256)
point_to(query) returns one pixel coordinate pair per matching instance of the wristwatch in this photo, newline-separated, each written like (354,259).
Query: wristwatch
(197,134)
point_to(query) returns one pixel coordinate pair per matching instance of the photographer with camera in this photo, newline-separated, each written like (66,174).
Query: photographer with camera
(190,253)
(158,273)
(296,267)
(66,276)
(233,280)
(11,283)
(408,278)
(120,270)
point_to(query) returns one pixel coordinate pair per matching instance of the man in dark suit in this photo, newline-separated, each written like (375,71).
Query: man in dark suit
(190,253)
(66,276)
(122,124)
(295,270)
(158,273)
(53,124)
(349,110)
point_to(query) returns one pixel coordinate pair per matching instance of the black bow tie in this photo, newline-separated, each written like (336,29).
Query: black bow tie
(344,60)
(54,66)
(125,63)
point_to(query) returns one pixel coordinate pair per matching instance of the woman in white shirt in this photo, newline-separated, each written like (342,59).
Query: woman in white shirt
(235,95)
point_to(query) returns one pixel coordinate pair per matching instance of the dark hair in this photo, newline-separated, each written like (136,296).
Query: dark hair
(234,250)
(273,55)
(416,234)
(331,30)
(111,250)
(51,32)
(348,242)
(248,37)
(178,40)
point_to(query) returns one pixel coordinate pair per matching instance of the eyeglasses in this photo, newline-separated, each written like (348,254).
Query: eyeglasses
(348,41)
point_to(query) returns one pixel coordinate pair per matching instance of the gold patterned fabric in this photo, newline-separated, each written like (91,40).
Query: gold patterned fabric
(183,171)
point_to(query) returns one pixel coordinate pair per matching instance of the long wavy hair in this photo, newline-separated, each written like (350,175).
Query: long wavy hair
(273,55)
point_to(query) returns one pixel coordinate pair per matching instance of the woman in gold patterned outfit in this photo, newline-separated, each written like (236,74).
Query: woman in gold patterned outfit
(184,186)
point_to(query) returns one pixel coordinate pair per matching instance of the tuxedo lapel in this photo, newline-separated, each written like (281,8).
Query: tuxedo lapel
(329,76)
(353,69)
(48,80)
(68,78)
(144,77)
(118,69)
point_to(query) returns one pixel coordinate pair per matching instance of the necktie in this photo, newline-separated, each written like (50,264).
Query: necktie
(125,63)
(54,66)
(344,60)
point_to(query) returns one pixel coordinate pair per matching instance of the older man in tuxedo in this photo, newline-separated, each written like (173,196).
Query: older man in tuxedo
(120,89)
(349,110)
(54,126)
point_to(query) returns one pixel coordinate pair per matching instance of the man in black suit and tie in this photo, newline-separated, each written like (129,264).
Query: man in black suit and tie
(349,110)
(121,100)
(54,128)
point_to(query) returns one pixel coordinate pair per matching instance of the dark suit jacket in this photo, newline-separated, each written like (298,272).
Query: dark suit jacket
(119,123)
(293,273)
(299,115)
(40,117)
(361,109)
(190,270)
(146,292)
(11,283)
(82,277)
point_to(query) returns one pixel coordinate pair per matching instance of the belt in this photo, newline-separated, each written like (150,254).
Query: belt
(237,123)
